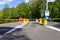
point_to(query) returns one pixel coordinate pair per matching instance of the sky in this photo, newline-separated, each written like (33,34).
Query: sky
(10,3)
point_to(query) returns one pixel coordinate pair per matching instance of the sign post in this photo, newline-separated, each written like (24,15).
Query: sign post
(47,11)
(47,14)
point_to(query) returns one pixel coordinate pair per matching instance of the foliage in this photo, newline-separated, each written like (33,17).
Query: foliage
(33,10)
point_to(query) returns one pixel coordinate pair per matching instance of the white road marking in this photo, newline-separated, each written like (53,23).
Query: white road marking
(54,28)
(18,26)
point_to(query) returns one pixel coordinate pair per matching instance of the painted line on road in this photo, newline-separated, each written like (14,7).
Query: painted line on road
(17,27)
(54,28)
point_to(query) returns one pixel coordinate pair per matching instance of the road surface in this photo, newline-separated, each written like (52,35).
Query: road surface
(34,31)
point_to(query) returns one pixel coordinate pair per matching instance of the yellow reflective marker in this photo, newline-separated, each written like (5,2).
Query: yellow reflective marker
(24,21)
(45,22)
(40,20)
(36,20)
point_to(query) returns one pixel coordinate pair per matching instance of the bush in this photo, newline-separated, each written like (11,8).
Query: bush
(10,20)
(1,20)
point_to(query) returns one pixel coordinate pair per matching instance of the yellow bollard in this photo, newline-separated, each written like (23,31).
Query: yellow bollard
(36,20)
(24,21)
(44,21)
(40,20)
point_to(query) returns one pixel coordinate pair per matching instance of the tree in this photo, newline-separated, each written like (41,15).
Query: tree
(6,12)
(22,9)
(33,10)
(1,14)
(54,7)
(37,8)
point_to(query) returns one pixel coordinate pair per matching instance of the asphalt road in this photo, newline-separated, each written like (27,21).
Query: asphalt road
(54,24)
(36,31)
(8,26)
(32,31)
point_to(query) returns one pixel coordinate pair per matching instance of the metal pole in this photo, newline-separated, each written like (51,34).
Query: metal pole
(46,4)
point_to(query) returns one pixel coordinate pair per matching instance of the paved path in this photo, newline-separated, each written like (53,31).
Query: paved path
(36,31)
(33,31)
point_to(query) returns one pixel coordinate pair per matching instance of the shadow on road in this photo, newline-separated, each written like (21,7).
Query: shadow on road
(16,35)
(4,30)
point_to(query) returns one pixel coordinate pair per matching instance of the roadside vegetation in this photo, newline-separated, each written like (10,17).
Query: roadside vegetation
(31,11)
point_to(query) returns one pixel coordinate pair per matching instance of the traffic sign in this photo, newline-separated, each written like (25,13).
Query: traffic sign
(51,0)
(47,13)
(47,17)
